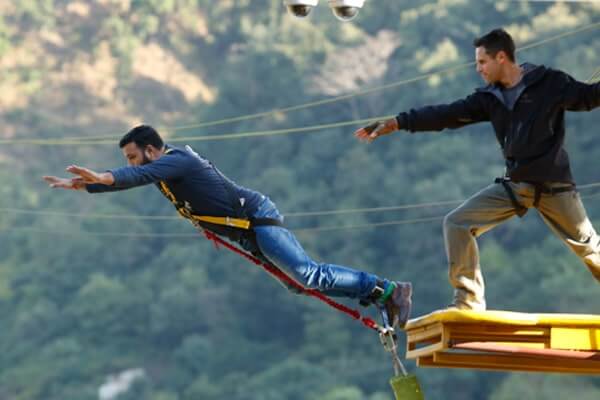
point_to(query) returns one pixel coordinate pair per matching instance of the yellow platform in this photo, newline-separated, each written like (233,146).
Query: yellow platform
(506,341)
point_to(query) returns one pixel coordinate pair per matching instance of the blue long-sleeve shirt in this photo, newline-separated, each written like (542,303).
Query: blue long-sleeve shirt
(194,181)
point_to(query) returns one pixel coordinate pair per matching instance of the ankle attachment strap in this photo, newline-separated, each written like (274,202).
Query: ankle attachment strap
(387,293)
(378,291)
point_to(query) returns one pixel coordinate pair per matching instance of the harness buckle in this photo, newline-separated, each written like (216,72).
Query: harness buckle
(376,293)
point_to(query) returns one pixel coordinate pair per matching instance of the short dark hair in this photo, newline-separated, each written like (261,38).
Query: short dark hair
(495,41)
(142,136)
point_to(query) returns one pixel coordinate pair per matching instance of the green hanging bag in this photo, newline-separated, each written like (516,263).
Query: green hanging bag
(406,387)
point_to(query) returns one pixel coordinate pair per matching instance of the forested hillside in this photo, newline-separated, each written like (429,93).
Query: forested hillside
(92,286)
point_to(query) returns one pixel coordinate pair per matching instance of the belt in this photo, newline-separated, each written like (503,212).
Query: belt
(539,188)
(240,223)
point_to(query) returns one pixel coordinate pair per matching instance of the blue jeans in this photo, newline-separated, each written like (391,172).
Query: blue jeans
(279,246)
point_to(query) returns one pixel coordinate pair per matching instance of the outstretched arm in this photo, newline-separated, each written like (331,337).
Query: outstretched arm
(89,177)
(65,183)
(85,179)
(579,96)
(431,118)
(376,129)
(170,166)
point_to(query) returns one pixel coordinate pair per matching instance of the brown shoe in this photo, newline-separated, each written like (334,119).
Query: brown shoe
(399,303)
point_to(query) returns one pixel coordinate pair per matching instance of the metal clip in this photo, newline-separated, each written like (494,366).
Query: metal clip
(389,340)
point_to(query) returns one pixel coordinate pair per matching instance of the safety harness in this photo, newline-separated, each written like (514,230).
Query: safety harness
(241,227)
(231,222)
(539,189)
(239,222)
(247,225)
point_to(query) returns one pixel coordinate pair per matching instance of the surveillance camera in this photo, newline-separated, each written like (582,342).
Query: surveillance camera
(300,8)
(345,10)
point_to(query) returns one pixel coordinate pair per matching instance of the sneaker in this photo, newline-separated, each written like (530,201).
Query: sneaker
(398,305)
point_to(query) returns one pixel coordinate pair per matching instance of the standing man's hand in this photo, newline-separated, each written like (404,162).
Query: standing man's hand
(376,129)
(63,183)
(89,176)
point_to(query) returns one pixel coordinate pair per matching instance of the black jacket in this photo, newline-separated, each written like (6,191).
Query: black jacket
(531,134)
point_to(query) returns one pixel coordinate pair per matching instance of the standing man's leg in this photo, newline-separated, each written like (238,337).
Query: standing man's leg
(565,215)
(480,213)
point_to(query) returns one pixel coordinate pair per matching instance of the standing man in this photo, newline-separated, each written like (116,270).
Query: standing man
(526,105)
(203,195)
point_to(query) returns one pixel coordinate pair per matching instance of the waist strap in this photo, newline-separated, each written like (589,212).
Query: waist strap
(239,223)
(265,222)
(232,222)
(226,221)
(539,188)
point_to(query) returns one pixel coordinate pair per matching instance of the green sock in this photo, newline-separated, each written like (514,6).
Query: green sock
(387,293)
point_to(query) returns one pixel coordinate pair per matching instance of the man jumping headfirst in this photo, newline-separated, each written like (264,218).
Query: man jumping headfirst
(211,201)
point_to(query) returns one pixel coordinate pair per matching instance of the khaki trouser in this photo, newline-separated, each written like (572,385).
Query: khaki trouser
(562,212)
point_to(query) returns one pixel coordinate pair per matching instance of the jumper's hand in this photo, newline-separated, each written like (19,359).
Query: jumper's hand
(63,183)
(376,129)
(89,176)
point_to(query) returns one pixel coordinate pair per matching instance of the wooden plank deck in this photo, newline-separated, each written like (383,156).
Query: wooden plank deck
(506,341)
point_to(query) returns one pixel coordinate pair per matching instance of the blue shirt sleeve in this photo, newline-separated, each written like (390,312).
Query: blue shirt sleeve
(100,188)
(168,166)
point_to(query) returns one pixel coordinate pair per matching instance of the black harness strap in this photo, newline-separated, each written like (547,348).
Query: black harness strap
(376,293)
(541,188)
(537,194)
(265,222)
(519,208)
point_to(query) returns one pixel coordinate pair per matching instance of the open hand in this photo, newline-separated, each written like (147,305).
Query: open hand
(376,129)
(65,183)
(89,176)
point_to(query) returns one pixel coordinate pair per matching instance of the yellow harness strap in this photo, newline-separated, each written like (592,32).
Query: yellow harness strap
(226,221)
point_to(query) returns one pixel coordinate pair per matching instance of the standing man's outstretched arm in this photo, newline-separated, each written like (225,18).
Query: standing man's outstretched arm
(469,110)
(578,96)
